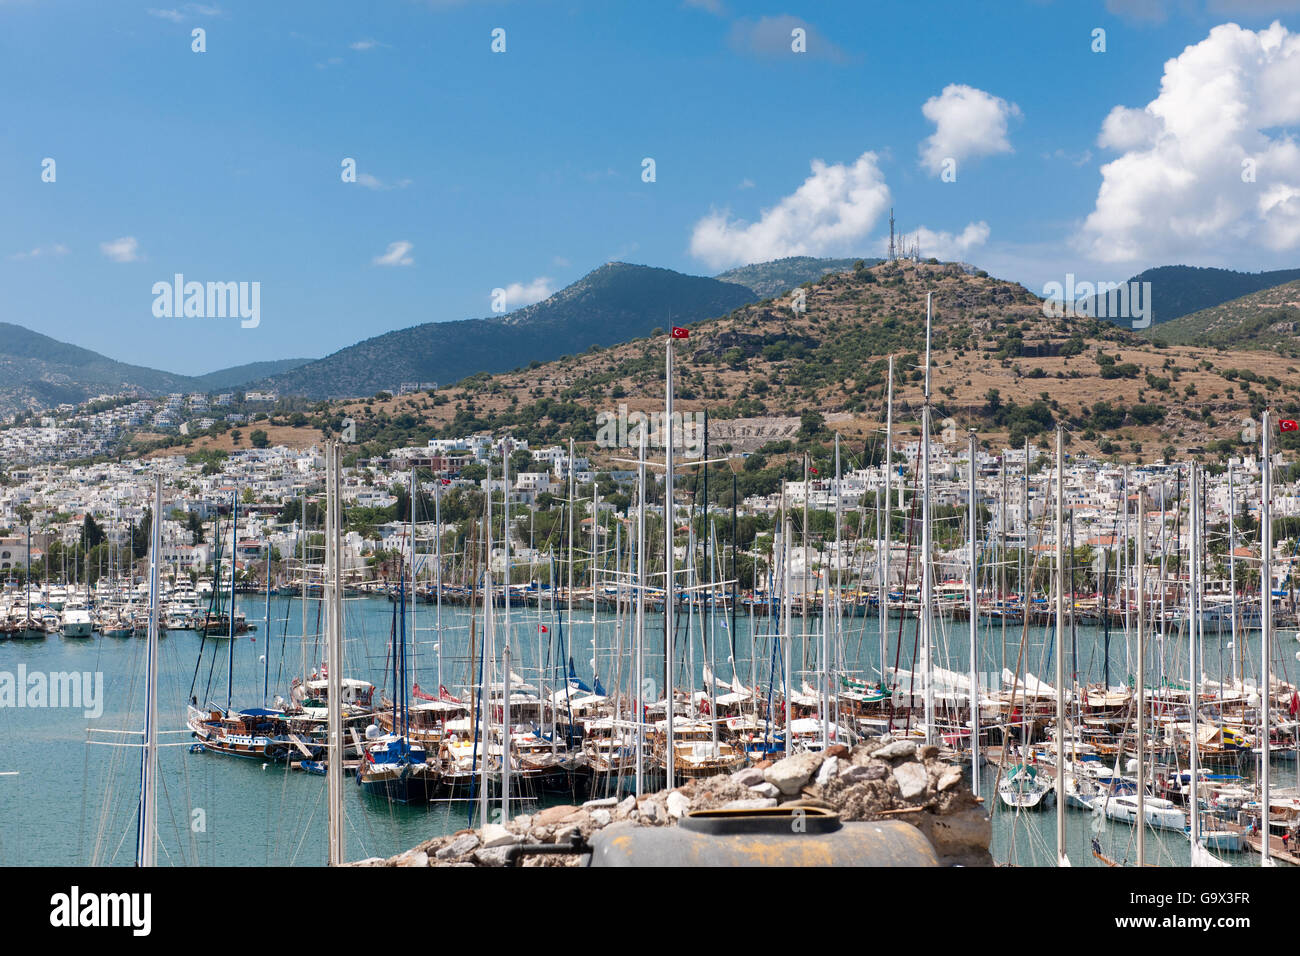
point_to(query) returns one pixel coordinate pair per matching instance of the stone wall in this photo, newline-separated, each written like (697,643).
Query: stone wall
(877,780)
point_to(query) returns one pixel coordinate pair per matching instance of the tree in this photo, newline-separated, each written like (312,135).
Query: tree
(91,533)
(140,535)
(259,438)
(810,424)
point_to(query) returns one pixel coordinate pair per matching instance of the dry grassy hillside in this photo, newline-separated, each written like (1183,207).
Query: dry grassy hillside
(999,365)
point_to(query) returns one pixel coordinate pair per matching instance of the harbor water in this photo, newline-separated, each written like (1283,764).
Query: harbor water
(72,802)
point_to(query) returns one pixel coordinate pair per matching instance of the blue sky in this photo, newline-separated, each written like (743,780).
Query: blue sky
(523,170)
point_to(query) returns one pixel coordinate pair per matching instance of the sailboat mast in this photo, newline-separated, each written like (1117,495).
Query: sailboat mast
(302,534)
(1141,557)
(333,654)
(147,825)
(415,637)
(234,545)
(1193,655)
(927,606)
(826,637)
(573,504)
(437,550)
(803,596)
(489,649)
(1232,570)
(785,631)
(266,639)
(884,556)
(974,632)
(1266,625)
(505,648)
(669,569)
(639,639)
(1060,646)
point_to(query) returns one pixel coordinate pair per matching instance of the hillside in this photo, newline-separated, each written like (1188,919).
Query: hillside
(772,278)
(614,303)
(1265,319)
(1000,366)
(1181,290)
(243,374)
(36,370)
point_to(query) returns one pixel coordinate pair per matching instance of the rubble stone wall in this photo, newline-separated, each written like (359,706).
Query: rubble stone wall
(878,779)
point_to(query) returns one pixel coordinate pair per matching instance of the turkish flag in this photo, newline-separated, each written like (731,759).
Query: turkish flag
(1288,425)
(544,631)
(813,470)
(681,333)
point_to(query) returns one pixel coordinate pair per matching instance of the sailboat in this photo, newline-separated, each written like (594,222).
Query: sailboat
(258,733)
(1023,787)
(391,766)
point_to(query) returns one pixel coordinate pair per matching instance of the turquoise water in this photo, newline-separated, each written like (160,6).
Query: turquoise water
(74,803)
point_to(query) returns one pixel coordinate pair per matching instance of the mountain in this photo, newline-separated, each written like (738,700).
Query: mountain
(36,370)
(1267,319)
(245,374)
(777,276)
(616,302)
(1181,290)
(1000,366)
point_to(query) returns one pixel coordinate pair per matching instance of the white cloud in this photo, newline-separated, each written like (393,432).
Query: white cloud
(526,293)
(374,182)
(772,36)
(363,46)
(185,12)
(125,249)
(1074,159)
(1253,7)
(1157,11)
(967,123)
(42,252)
(1177,189)
(831,213)
(944,246)
(397,254)
(1152,11)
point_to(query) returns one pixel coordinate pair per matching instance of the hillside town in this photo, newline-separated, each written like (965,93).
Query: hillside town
(47,493)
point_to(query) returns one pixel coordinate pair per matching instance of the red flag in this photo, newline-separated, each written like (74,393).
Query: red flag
(544,630)
(1288,425)
(681,333)
(812,471)
(1294,709)
(446,481)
